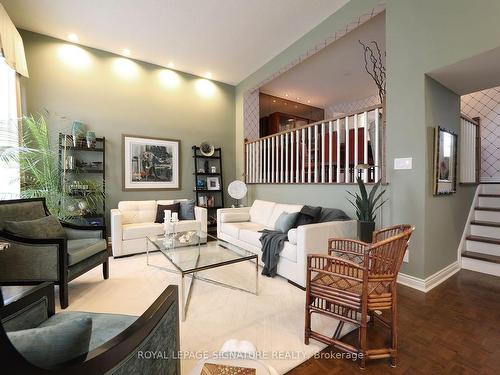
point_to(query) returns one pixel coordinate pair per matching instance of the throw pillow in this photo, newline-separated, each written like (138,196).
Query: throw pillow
(286,221)
(332,214)
(308,215)
(45,227)
(160,211)
(50,346)
(186,211)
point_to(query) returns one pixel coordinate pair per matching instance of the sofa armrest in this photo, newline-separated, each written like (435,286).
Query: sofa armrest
(201,214)
(76,232)
(313,238)
(230,215)
(116,220)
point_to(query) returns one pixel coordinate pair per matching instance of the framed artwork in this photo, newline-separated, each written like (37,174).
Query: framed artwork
(445,162)
(213,183)
(150,163)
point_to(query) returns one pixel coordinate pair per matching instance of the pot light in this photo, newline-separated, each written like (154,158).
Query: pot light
(171,65)
(126,52)
(286,95)
(72,37)
(309,101)
(205,87)
(74,56)
(169,79)
(208,75)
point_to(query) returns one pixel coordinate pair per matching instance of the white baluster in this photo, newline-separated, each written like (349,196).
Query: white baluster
(330,152)
(338,151)
(347,166)
(376,161)
(365,145)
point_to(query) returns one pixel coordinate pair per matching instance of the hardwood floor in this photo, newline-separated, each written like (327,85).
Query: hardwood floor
(453,329)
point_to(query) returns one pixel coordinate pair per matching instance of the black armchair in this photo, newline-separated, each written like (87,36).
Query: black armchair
(60,260)
(155,331)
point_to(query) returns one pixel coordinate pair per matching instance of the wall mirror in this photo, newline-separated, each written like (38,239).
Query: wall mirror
(445,162)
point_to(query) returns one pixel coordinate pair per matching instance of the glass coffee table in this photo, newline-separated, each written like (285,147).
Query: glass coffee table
(189,255)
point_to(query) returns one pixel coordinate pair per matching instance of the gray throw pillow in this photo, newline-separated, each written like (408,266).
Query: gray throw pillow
(50,346)
(45,227)
(332,214)
(286,221)
(186,210)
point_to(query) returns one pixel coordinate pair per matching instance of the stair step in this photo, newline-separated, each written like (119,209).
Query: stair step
(485,223)
(494,209)
(484,257)
(491,240)
(489,195)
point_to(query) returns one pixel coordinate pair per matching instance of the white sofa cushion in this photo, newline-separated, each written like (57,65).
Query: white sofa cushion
(292,236)
(167,202)
(251,237)
(261,211)
(289,252)
(185,225)
(138,211)
(141,230)
(233,229)
(278,209)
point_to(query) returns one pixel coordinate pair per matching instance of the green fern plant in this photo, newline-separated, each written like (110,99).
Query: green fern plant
(367,204)
(40,174)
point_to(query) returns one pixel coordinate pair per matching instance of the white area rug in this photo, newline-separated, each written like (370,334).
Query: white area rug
(273,321)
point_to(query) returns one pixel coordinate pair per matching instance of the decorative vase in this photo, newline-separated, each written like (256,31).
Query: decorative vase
(77,131)
(91,139)
(365,230)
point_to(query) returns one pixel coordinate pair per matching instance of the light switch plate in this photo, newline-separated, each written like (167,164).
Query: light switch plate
(403,163)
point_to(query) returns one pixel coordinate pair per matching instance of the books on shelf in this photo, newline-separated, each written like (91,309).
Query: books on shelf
(206,201)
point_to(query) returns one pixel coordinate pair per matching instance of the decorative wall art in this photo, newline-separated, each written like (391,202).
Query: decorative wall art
(150,163)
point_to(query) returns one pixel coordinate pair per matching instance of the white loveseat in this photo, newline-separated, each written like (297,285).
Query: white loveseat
(133,221)
(241,227)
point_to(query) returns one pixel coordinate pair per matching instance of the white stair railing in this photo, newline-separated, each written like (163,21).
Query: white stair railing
(470,150)
(325,152)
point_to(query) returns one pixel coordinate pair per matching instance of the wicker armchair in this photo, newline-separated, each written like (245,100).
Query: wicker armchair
(354,281)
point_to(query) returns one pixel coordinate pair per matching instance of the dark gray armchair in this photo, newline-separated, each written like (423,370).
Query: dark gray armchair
(59,260)
(119,344)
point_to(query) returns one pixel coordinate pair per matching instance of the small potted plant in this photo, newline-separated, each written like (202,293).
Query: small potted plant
(366,205)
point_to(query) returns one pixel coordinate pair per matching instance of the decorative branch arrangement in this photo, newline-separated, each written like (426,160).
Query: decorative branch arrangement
(374,66)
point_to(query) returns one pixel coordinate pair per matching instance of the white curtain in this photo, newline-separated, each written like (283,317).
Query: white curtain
(9,131)
(11,44)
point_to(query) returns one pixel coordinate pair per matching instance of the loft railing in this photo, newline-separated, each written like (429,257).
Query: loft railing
(470,150)
(325,152)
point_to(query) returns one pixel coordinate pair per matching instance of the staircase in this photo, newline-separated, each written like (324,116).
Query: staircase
(481,242)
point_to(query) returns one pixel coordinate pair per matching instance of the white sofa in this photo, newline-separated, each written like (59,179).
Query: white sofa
(241,226)
(133,221)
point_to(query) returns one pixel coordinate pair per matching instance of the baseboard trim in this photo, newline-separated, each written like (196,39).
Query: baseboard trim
(430,282)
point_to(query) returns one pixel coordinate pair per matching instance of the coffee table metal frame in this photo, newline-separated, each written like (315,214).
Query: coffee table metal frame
(192,272)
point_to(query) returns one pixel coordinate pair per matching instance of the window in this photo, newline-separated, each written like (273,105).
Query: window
(9,133)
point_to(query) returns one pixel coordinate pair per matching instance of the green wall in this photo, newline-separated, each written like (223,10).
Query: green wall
(79,83)
(421,36)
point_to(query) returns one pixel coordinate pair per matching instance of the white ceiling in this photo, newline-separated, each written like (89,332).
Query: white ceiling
(230,38)
(477,73)
(334,75)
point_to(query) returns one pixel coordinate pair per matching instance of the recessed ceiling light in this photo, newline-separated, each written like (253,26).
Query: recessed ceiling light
(171,65)
(297,98)
(309,101)
(208,75)
(286,95)
(126,52)
(72,37)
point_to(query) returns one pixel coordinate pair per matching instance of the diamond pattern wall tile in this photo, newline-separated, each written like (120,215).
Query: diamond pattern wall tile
(486,105)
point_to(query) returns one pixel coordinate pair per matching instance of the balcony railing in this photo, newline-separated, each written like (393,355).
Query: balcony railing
(325,152)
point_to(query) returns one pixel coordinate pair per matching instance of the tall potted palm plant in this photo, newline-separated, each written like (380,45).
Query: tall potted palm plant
(40,173)
(366,204)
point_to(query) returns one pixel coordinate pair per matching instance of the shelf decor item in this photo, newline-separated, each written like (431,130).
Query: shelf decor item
(91,139)
(77,132)
(237,190)
(206,149)
(213,183)
(150,163)
(366,205)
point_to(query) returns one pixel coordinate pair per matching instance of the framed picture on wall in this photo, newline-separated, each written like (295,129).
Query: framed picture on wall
(445,162)
(150,163)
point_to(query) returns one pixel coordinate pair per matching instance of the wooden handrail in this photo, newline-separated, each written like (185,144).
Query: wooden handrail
(348,114)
